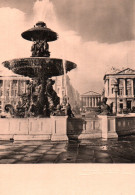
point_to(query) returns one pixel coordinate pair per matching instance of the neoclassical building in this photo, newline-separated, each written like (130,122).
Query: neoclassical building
(90,100)
(12,86)
(120,89)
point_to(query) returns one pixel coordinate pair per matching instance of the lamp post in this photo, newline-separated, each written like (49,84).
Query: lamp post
(116,91)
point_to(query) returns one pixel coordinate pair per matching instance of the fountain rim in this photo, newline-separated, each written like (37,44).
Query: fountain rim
(52,64)
(47,58)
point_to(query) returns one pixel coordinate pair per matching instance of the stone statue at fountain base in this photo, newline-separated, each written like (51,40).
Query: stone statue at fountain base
(105,108)
(38,102)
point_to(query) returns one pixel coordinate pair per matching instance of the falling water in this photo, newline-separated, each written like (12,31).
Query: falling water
(65,79)
(44,11)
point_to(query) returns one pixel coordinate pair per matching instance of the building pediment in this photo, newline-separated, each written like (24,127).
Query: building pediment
(126,71)
(91,93)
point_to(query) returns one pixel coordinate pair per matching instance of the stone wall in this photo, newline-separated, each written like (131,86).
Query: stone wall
(22,128)
(84,128)
(74,127)
(125,125)
(59,128)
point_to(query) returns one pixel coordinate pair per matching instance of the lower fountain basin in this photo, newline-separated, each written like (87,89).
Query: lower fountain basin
(32,66)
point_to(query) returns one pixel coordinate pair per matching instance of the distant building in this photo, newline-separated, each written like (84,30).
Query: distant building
(64,87)
(11,89)
(90,100)
(124,80)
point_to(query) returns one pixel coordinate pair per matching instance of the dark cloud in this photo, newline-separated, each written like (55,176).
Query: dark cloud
(23,5)
(108,21)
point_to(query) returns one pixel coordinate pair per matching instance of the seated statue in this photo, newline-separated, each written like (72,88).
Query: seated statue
(40,49)
(69,112)
(59,111)
(46,49)
(52,97)
(36,87)
(34,108)
(66,107)
(105,108)
(33,49)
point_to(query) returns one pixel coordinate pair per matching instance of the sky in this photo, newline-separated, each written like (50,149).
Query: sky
(95,34)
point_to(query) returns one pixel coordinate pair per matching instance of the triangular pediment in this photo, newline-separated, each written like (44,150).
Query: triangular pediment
(126,71)
(91,93)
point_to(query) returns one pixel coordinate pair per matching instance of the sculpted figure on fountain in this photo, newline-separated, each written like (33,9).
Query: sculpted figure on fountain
(40,49)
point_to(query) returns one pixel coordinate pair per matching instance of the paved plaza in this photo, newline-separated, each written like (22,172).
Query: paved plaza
(84,151)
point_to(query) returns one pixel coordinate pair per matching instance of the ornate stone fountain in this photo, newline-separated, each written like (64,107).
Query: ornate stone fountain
(41,100)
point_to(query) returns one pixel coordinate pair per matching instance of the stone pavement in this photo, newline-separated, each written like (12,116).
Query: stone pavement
(84,151)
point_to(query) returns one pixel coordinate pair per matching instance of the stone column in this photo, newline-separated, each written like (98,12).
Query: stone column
(132,86)
(110,88)
(10,88)
(92,102)
(82,101)
(89,102)
(95,101)
(124,84)
(85,101)
(107,87)
(2,102)
(3,83)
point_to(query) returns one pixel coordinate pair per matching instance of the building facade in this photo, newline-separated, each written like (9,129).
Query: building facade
(90,100)
(120,89)
(11,89)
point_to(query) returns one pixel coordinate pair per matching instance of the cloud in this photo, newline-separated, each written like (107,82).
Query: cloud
(102,21)
(92,58)
(12,23)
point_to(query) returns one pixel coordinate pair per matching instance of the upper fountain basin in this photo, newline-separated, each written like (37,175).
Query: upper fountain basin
(40,32)
(33,66)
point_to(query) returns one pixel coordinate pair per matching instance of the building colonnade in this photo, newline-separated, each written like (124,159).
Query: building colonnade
(126,86)
(11,89)
(90,101)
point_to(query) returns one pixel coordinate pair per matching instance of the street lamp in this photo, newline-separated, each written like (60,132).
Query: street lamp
(116,91)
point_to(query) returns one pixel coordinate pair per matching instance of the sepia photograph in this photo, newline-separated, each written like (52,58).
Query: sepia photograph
(67,86)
